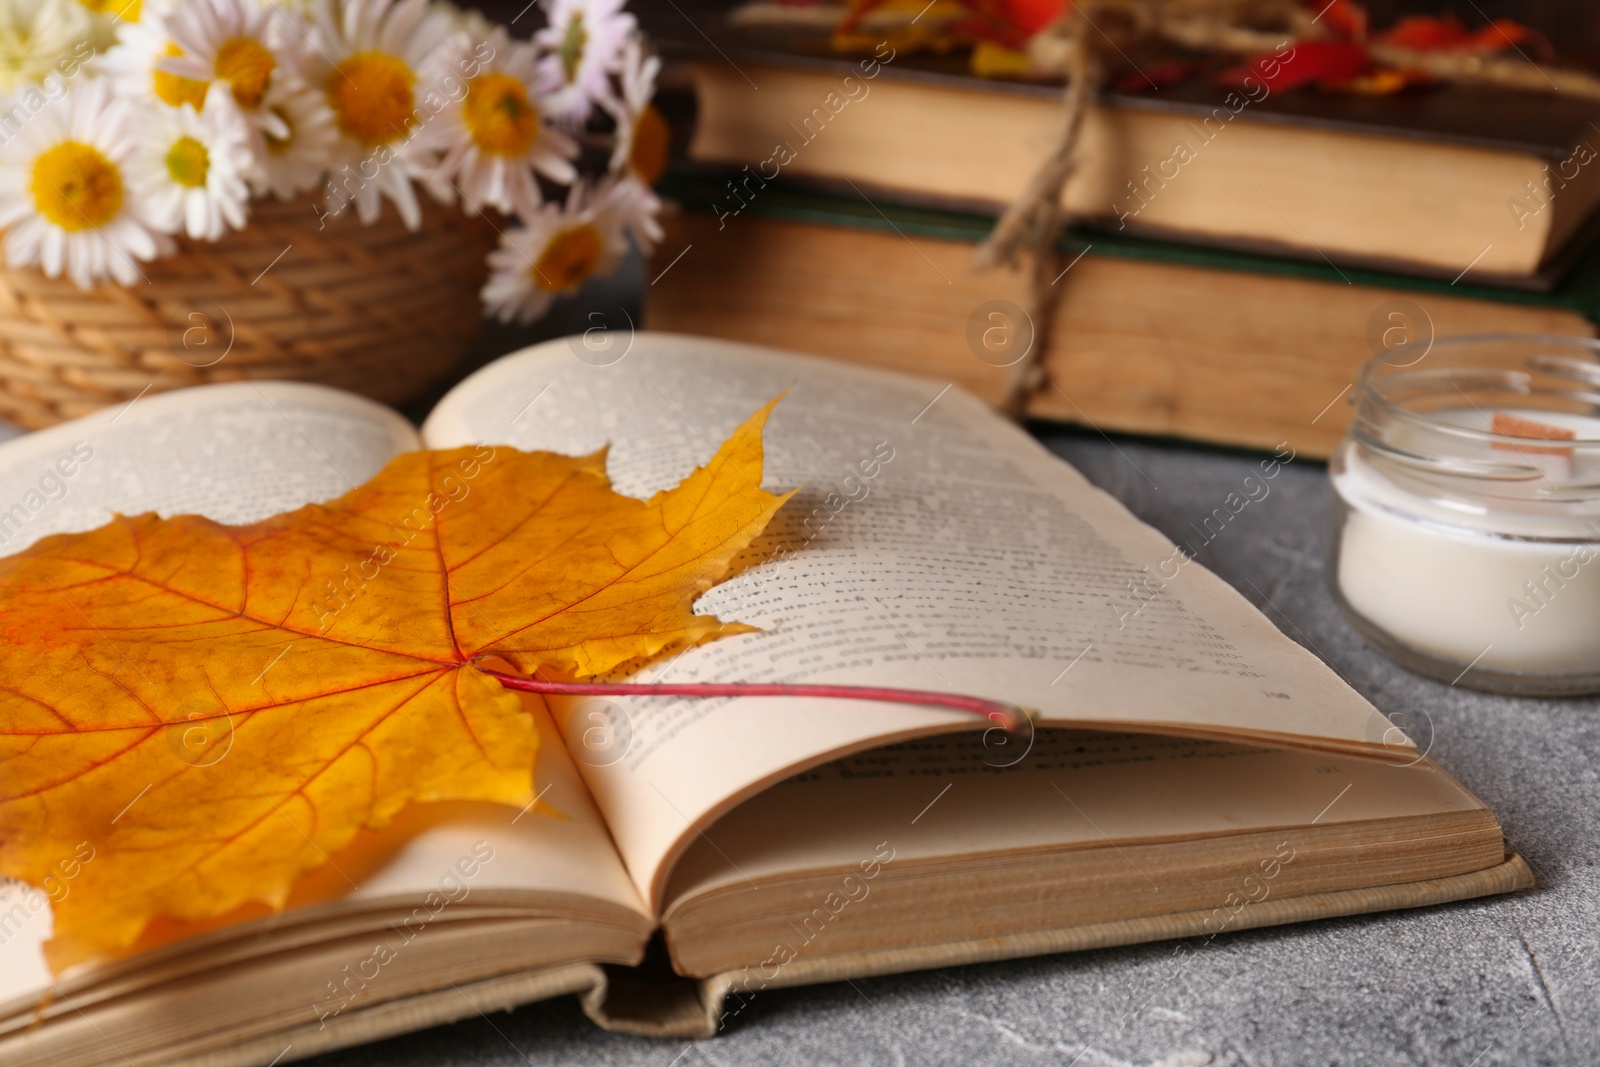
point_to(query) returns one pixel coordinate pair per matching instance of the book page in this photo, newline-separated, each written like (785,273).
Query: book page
(941,797)
(236,453)
(933,545)
(1091,828)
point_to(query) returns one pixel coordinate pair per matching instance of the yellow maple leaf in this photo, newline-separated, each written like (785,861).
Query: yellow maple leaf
(207,711)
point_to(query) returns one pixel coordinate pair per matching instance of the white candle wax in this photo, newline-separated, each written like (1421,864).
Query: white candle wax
(1511,585)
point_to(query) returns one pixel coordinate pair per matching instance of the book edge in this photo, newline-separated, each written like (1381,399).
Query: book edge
(704,1014)
(816,201)
(756,54)
(1509,876)
(394,1018)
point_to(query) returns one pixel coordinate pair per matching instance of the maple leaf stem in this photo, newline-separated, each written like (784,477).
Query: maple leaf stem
(1013,717)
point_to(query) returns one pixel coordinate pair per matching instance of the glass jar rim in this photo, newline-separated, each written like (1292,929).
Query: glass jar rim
(1368,390)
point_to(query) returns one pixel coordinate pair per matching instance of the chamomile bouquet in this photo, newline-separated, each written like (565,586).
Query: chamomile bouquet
(125,124)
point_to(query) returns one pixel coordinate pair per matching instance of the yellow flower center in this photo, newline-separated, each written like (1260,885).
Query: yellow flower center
(499,114)
(370,93)
(247,65)
(126,10)
(573,42)
(188,162)
(647,156)
(76,187)
(569,258)
(174,90)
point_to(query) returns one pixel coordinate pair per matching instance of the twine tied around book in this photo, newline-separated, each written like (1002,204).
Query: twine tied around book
(1084,42)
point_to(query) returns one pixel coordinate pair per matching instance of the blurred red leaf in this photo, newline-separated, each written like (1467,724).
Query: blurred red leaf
(1008,22)
(1345,17)
(1324,62)
(1503,33)
(1154,76)
(1426,33)
(1005,22)
(1030,16)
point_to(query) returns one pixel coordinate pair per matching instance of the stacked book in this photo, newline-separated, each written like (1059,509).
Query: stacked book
(1235,255)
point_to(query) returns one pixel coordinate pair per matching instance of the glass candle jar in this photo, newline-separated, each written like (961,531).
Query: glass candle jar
(1466,540)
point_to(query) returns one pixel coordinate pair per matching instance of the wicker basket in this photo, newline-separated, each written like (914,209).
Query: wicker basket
(378,310)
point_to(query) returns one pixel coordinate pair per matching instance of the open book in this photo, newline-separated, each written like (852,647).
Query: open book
(1193,772)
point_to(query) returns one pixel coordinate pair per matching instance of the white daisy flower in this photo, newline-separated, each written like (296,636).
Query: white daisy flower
(552,254)
(373,64)
(585,40)
(106,18)
(65,202)
(294,163)
(37,37)
(637,208)
(492,138)
(238,42)
(465,20)
(134,65)
(642,133)
(190,167)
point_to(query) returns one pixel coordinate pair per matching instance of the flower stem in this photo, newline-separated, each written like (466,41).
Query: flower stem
(1013,717)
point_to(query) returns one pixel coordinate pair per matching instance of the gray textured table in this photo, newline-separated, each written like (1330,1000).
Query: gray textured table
(1512,980)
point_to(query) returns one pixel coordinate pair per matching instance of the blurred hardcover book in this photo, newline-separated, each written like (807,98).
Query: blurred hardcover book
(1150,337)
(1435,181)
